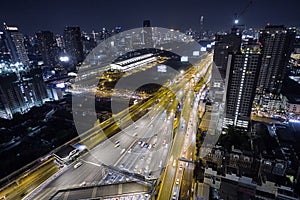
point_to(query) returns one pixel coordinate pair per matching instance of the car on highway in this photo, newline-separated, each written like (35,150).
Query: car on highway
(77,165)
(82,184)
(177,181)
(123,150)
(164,141)
(117,143)
(174,163)
(174,195)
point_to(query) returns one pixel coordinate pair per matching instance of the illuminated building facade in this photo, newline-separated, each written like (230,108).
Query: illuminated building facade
(14,41)
(277,42)
(20,89)
(242,74)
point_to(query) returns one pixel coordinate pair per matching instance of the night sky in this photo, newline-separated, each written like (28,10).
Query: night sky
(32,16)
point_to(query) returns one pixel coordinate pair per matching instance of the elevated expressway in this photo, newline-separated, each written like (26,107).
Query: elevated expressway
(148,150)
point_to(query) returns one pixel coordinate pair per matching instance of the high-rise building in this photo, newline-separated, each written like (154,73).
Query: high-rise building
(146,23)
(32,48)
(60,41)
(73,44)
(241,76)
(20,89)
(15,44)
(104,34)
(147,34)
(224,45)
(277,42)
(48,48)
(88,44)
(4,53)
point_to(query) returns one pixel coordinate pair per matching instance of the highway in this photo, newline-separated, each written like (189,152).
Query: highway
(144,147)
(188,151)
(189,147)
(91,138)
(149,147)
(184,141)
(92,172)
(26,183)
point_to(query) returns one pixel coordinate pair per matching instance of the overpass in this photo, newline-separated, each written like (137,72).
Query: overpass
(130,189)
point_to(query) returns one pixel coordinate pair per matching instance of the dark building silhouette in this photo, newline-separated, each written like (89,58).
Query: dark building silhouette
(277,42)
(4,52)
(118,29)
(48,48)
(14,41)
(73,44)
(241,80)
(88,44)
(146,23)
(224,45)
(147,34)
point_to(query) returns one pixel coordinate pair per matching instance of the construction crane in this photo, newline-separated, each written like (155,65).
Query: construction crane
(237,16)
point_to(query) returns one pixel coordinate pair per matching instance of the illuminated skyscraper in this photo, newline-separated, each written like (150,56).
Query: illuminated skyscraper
(15,44)
(242,74)
(20,89)
(277,42)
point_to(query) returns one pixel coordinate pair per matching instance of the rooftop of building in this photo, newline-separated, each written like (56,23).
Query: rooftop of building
(293,99)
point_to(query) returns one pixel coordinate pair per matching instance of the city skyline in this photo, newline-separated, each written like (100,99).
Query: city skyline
(150,100)
(93,15)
